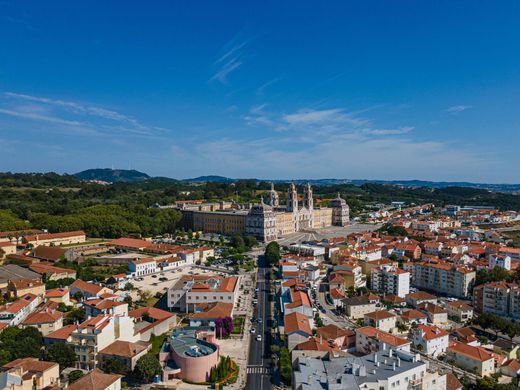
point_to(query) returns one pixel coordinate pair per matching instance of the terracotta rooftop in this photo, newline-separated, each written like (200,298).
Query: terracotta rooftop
(216,310)
(124,348)
(432,308)
(412,314)
(46,268)
(88,287)
(30,364)
(333,332)
(130,243)
(431,332)
(315,344)
(382,336)
(43,317)
(380,315)
(52,236)
(63,333)
(295,322)
(420,295)
(475,353)
(53,253)
(94,380)
(57,292)
(151,312)
(452,383)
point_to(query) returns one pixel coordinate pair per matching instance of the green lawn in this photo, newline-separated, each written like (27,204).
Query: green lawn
(157,342)
(238,322)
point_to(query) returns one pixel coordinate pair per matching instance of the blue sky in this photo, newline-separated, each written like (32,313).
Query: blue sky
(271,89)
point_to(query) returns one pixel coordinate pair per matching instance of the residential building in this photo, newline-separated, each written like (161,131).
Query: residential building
(506,348)
(211,314)
(88,290)
(444,278)
(391,280)
(470,358)
(357,307)
(499,298)
(29,373)
(413,317)
(436,314)
(46,321)
(416,298)
(152,321)
(370,339)
(344,339)
(49,253)
(96,306)
(19,288)
(460,310)
(14,313)
(62,335)
(97,380)
(382,319)
(297,329)
(432,339)
(58,295)
(191,291)
(498,260)
(388,370)
(125,352)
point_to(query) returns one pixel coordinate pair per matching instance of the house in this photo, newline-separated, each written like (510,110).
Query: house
(131,244)
(506,348)
(52,272)
(393,300)
(413,317)
(7,248)
(213,311)
(466,336)
(431,339)
(19,288)
(419,297)
(436,314)
(511,368)
(316,347)
(62,335)
(344,339)
(297,329)
(125,352)
(460,310)
(370,339)
(412,250)
(29,373)
(97,380)
(337,296)
(474,359)
(382,319)
(14,313)
(96,306)
(150,320)
(452,383)
(88,290)
(357,307)
(58,295)
(46,321)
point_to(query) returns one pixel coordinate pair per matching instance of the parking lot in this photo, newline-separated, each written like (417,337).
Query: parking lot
(152,284)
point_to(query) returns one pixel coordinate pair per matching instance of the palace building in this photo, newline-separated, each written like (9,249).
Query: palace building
(266,221)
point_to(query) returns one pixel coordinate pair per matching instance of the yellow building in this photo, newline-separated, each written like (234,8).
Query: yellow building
(21,287)
(222,222)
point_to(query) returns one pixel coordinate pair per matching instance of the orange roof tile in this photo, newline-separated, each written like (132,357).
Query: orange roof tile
(297,322)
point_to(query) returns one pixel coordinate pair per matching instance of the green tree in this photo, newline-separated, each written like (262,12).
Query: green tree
(63,354)
(250,241)
(238,243)
(75,375)
(111,366)
(272,253)
(147,367)
(75,315)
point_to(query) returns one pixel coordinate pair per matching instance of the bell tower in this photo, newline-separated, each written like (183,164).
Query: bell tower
(308,202)
(292,199)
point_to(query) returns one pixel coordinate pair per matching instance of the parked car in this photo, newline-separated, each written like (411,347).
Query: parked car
(259,338)
(253,330)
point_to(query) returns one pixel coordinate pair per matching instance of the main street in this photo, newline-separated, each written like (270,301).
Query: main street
(259,364)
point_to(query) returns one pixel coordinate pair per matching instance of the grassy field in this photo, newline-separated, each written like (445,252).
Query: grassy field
(238,323)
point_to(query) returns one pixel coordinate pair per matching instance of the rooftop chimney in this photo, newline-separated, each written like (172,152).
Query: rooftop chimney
(393,366)
(390,354)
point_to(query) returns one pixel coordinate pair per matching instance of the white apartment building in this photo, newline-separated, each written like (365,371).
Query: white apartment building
(432,339)
(441,277)
(502,261)
(389,279)
(143,266)
(97,333)
(190,292)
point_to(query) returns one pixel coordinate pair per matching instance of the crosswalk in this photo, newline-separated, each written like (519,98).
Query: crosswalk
(258,370)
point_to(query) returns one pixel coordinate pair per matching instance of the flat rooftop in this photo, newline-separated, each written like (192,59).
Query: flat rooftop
(184,342)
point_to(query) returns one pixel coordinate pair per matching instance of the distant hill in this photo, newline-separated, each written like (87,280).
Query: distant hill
(211,178)
(112,175)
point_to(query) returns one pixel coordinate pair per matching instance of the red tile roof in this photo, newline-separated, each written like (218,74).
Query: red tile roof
(52,236)
(431,332)
(382,336)
(63,333)
(475,353)
(297,322)
(88,287)
(379,315)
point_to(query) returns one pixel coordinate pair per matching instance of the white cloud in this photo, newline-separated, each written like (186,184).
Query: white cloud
(230,59)
(73,116)
(398,131)
(459,108)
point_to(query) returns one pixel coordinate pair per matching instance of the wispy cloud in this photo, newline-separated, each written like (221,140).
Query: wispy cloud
(262,88)
(398,131)
(230,59)
(82,118)
(459,108)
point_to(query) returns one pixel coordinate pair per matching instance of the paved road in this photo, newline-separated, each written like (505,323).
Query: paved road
(259,364)
(340,321)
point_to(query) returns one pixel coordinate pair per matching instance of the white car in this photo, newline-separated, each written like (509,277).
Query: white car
(259,338)
(253,330)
